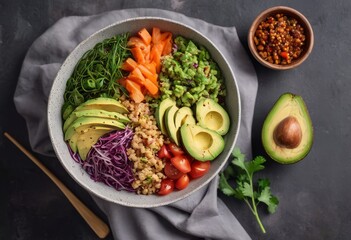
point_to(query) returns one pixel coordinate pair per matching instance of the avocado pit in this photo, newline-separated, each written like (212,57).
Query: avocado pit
(288,133)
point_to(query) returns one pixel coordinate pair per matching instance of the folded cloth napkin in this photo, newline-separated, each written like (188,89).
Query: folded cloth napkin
(200,216)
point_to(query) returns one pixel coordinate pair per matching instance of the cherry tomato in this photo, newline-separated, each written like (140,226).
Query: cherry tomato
(182,163)
(164,153)
(175,150)
(172,172)
(182,182)
(167,186)
(198,168)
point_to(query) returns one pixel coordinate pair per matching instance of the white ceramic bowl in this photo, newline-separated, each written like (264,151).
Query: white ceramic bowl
(56,101)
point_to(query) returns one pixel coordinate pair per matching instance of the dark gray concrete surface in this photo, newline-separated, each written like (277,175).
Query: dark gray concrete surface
(314,194)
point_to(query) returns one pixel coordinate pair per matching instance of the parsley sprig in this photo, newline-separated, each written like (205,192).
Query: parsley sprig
(245,189)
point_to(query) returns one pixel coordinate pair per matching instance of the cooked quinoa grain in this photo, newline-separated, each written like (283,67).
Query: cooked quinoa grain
(147,141)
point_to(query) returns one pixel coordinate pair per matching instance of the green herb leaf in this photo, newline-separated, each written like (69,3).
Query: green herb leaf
(225,186)
(265,196)
(237,154)
(262,183)
(272,207)
(239,159)
(229,172)
(255,165)
(245,188)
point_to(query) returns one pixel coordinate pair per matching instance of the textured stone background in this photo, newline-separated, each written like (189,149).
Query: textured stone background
(314,194)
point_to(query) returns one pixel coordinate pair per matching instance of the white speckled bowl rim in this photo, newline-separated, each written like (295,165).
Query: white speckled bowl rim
(101,190)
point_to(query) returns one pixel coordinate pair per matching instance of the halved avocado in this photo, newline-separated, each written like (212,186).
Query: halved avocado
(160,113)
(211,115)
(94,113)
(287,132)
(87,139)
(169,123)
(201,143)
(107,104)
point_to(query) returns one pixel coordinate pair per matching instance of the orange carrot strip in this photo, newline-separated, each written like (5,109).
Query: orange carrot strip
(136,80)
(129,65)
(151,87)
(134,90)
(136,42)
(122,81)
(167,49)
(147,73)
(151,66)
(137,72)
(146,53)
(137,76)
(165,36)
(138,54)
(155,55)
(156,35)
(156,58)
(145,36)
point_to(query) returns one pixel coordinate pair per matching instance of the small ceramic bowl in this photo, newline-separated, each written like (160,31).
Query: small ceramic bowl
(56,101)
(290,13)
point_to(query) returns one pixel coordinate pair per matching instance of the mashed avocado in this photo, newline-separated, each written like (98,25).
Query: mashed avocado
(190,74)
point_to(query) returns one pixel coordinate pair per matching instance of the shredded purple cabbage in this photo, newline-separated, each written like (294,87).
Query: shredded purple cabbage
(107,161)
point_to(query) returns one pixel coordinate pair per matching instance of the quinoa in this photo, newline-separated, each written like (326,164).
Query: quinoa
(279,39)
(147,141)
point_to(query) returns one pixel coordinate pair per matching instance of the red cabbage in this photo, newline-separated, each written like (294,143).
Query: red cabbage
(107,161)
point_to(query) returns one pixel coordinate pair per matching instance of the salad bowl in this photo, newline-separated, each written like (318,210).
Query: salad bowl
(56,101)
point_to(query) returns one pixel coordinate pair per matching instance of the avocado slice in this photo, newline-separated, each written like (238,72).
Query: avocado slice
(211,115)
(287,132)
(67,109)
(160,113)
(89,138)
(169,123)
(182,116)
(94,113)
(201,143)
(107,104)
(83,124)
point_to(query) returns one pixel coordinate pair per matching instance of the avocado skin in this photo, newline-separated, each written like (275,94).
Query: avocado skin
(193,138)
(288,104)
(206,109)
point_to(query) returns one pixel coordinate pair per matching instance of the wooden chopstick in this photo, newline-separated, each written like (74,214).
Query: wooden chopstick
(98,226)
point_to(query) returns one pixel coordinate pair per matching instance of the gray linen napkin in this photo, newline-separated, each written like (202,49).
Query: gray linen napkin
(201,215)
